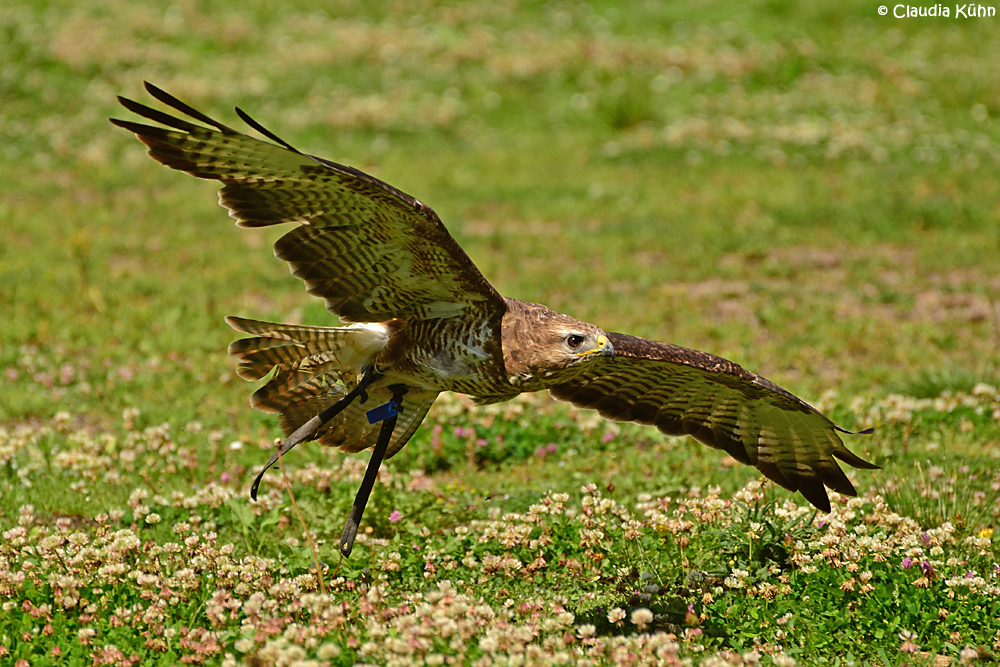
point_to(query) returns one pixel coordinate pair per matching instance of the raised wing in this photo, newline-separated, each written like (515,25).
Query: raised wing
(686,392)
(372,252)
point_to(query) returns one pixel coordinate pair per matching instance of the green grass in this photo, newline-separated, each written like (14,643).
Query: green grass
(807,189)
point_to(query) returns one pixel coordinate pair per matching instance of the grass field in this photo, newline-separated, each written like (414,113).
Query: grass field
(808,189)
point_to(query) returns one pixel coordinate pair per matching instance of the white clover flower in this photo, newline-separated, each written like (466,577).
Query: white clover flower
(328,651)
(565,618)
(550,625)
(642,617)
(152,518)
(522,633)
(616,615)
(967,655)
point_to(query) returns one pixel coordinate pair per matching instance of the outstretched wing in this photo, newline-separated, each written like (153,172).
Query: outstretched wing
(372,252)
(686,392)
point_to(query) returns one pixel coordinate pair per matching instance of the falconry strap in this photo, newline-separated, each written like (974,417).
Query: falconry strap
(309,429)
(378,453)
(382,412)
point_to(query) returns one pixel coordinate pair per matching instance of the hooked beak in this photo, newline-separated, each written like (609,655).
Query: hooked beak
(604,348)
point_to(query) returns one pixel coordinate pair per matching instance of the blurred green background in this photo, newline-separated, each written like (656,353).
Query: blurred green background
(808,189)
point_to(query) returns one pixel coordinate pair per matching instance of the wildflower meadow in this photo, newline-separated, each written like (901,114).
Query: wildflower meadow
(808,189)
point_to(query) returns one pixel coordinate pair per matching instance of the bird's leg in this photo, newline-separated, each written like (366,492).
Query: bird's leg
(378,453)
(308,430)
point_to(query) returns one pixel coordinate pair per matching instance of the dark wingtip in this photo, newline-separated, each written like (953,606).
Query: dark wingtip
(850,457)
(125,102)
(153,90)
(245,117)
(132,105)
(815,493)
(867,431)
(163,96)
(174,103)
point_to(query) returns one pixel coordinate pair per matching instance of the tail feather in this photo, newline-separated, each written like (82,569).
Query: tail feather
(294,347)
(313,368)
(300,332)
(258,356)
(285,386)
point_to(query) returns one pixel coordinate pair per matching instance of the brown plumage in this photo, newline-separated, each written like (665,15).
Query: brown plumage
(422,320)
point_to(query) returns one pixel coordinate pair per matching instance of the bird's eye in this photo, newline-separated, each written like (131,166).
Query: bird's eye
(575,340)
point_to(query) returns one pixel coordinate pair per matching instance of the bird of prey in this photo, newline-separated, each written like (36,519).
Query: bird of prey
(419,319)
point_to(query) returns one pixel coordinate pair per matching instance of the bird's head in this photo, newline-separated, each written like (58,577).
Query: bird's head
(581,342)
(565,342)
(540,343)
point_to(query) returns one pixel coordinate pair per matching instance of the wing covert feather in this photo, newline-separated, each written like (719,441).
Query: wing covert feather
(687,392)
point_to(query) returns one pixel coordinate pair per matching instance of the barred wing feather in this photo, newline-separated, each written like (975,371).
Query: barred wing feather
(371,251)
(687,392)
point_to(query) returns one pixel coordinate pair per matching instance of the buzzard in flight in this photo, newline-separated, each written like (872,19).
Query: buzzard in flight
(421,319)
